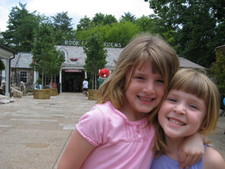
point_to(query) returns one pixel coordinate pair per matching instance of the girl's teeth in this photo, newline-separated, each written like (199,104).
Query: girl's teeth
(176,122)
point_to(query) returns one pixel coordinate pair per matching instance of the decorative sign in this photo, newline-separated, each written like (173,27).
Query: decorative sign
(82,43)
(73,70)
(74,59)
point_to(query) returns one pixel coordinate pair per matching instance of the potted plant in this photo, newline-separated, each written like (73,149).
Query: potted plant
(46,59)
(39,83)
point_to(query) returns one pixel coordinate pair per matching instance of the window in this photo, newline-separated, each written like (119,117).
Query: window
(23,76)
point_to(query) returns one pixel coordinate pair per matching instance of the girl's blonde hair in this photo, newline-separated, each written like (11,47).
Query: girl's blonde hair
(141,49)
(198,84)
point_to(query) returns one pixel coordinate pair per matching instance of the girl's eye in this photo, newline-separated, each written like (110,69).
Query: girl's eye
(139,77)
(171,99)
(193,106)
(160,81)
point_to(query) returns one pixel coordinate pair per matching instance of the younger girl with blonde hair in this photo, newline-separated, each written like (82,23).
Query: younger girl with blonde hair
(191,105)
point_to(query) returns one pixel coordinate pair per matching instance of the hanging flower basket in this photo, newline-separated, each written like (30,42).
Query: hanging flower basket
(74,59)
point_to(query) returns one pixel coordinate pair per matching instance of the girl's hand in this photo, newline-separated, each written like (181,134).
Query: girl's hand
(191,150)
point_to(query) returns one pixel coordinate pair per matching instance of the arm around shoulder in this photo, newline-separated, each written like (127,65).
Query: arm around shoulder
(213,159)
(76,152)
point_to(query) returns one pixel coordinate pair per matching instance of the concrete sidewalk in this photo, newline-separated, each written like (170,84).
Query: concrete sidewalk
(34,132)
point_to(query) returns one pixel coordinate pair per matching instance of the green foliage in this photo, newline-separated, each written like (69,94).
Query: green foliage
(39,81)
(84,24)
(46,59)
(218,68)
(98,20)
(146,24)
(62,26)
(128,17)
(96,56)
(62,21)
(21,26)
(101,19)
(2,66)
(121,32)
(198,25)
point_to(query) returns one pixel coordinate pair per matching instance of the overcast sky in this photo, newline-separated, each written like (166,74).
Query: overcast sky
(76,9)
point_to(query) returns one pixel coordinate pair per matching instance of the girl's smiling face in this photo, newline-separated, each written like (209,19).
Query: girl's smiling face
(144,91)
(181,114)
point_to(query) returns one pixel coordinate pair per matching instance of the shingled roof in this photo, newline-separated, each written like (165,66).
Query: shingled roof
(188,64)
(221,48)
(23,60)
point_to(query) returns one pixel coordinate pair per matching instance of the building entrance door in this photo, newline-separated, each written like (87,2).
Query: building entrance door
(72,80)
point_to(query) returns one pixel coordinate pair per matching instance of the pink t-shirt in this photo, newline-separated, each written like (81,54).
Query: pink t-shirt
(120,143)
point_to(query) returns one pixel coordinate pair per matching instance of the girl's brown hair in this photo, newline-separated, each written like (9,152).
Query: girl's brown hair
(141,49)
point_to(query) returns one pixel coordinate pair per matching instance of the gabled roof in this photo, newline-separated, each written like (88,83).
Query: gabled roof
(78,52)
(221,48)
(22,60)
(188,64)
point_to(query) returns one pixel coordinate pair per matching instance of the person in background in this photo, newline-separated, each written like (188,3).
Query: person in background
(116,133)
(85,87)
(191,105)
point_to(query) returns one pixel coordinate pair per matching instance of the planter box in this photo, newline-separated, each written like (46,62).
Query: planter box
(42,94)
(53,91)
(92,94)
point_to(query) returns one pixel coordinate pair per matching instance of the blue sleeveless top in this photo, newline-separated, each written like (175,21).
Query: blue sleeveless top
(165,162)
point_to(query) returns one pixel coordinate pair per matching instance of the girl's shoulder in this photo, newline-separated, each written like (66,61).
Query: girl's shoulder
(99,112)
(213,159)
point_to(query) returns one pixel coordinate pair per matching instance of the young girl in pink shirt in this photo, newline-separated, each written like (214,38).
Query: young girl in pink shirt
(115,133)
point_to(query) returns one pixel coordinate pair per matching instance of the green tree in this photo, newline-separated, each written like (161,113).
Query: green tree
(146,24)
(198,25)
(2,66)
(101,19)
(46,59)
(62,21)
(84,24)
(218,68)
(96,57)
(128,17)
(122,32)
(21,26)
(62,26)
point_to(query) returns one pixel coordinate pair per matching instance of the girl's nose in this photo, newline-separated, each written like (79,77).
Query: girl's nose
(180,108)
(149,88)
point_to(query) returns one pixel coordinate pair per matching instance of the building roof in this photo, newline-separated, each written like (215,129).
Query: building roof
(22,60)
(221,48)
(188,64)
(75,58)
(78,52)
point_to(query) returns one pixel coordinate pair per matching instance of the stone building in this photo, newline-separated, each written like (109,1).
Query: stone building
(72,72)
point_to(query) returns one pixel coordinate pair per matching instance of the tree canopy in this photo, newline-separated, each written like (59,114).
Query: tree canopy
(21,26)
(46,59)
(218,68)
(96,56)
(2,65)
(198,26)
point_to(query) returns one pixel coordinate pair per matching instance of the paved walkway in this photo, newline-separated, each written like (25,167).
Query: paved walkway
(34,132)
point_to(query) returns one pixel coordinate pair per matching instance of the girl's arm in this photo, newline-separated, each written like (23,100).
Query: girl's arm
(76,152)
(213,159)
(191,150)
